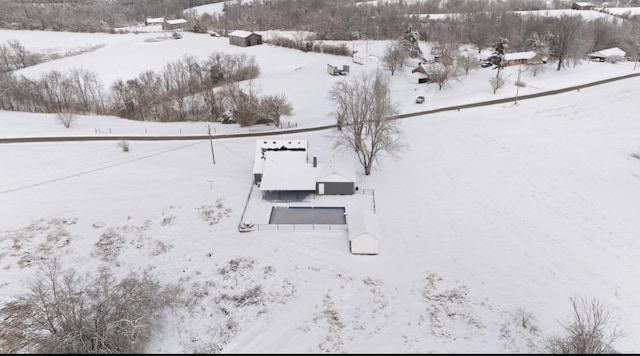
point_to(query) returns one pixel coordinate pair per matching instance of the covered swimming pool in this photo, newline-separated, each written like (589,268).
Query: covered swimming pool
(307,215)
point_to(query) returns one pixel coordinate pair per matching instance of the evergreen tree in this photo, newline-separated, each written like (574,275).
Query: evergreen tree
(499,51)
(410,43)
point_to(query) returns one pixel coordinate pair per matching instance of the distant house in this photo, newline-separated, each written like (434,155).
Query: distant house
(363,228)
(177,24)
(581,5)
(607,55)
(420,75)
(244,38)
(154,21)
(365,58)
(512,59)
(283,166)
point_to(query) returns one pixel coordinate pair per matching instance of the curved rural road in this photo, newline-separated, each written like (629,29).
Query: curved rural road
(308,129)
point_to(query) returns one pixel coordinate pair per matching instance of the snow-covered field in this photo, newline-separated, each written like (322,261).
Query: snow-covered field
(489,213)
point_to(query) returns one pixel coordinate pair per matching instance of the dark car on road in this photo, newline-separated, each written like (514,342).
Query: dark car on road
(420,99)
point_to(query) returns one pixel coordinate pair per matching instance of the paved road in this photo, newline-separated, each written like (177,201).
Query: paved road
(308,129)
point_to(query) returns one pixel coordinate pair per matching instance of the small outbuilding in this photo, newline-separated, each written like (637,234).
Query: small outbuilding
(176,24)
(607,55)
(244,38)
(582,5)
(154,21)
(364,232)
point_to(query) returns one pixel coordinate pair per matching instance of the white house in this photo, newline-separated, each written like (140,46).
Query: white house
(283,166)
(365,58)
(364,232)
(154,21)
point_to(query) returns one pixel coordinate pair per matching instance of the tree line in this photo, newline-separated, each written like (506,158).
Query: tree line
(480,22)
(87,15)
(183,90)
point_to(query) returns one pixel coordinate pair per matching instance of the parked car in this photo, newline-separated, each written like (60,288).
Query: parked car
(486,64)
(420,99)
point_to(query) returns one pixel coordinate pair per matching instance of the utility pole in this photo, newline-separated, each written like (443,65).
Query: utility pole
(636,62)
(213,157)
(518,83)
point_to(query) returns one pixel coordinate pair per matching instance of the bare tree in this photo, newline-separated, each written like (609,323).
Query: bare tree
(442,73)
(394,56)
(477,26)
(564,38)
(536,67)
(466,62)
(242,103)
(363,108)
(124,144)
(20,54)
(447,52)
(540,44)
(497,82)
(67,118)
(591,330)
(274,106)
(64,312)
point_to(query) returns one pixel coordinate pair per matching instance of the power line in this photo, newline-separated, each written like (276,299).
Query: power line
(99,169)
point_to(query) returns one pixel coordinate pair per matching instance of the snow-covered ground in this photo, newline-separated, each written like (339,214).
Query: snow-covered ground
(491,212)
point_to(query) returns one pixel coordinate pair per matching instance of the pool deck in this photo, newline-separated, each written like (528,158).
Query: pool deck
(259,210)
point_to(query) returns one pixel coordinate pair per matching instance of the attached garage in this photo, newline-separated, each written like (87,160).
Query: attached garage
(335,184)
(364,233)
(335,178)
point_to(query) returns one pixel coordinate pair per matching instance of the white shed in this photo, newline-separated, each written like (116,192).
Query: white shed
(365,58)
(364,232)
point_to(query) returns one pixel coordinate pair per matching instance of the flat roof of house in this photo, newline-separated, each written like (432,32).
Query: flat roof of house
(155,19)
(288,171)
(264,145)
